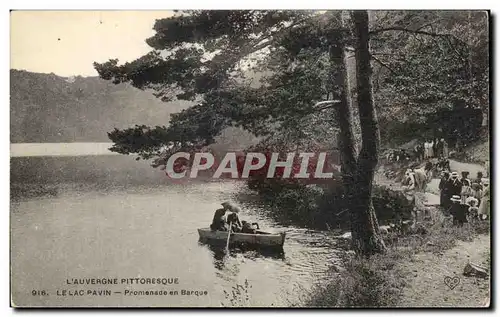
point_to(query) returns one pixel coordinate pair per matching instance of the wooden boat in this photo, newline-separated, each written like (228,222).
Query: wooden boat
(260,239)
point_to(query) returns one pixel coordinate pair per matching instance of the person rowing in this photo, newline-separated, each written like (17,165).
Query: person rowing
(232,218)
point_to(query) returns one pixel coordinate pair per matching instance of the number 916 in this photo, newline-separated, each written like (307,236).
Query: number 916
(38,293)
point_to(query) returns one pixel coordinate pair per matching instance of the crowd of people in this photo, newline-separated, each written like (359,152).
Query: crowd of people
(464,199)
(432,148)
(398,155)
(227,219)
(424,150)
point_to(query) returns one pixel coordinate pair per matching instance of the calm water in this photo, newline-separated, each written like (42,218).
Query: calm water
(60,149)
(128,221)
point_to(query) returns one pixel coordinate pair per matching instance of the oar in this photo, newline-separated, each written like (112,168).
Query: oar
(229,236)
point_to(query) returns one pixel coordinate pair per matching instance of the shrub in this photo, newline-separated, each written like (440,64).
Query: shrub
(390,204)
(323,206)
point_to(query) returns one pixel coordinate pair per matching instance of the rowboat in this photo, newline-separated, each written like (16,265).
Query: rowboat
(260,239)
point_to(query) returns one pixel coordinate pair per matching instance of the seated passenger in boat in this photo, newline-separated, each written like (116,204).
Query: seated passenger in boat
(247,227)
(219,221)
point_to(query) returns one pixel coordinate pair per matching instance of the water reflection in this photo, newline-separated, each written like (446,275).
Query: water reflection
(223,257)
(135,217)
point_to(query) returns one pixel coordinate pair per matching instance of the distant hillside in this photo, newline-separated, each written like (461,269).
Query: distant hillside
(50,108)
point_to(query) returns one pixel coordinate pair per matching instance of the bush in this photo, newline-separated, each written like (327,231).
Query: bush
(390,204)
(299,206)
(323,206)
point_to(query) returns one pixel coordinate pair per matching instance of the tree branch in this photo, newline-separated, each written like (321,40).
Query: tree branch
(329,104)
(384,65)
(402,29)
(455,50)
(257,45)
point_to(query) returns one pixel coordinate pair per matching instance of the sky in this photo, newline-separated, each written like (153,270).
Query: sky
(68,42)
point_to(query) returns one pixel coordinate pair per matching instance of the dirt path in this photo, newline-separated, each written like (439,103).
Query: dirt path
(425,277)
(425,273)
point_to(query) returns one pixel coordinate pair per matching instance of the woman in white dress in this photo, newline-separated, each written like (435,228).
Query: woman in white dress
(426,150)
(445,148)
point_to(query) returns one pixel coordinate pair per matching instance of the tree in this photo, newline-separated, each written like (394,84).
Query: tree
(358,170)
(435,64)
(265,71)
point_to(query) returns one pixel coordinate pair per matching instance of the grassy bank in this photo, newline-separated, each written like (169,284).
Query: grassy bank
(379,281)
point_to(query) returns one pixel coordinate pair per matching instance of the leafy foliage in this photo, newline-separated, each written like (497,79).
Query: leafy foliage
(442,65)
(264,70)
(274,43)
(206,57)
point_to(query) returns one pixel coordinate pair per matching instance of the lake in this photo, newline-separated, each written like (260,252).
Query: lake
(86,214)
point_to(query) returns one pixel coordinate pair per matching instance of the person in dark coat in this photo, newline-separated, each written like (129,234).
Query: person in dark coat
(416,152)
(219,222)
(444,187)
(420,152)
(458,211)
(455,186)
(479,179)
(435,148)
(439,148)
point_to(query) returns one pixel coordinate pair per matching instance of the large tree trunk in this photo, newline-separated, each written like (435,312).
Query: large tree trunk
(365,230)
(357,174)
(366,237)
(344,117)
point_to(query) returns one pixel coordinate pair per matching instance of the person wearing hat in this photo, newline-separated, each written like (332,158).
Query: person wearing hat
(476,191)
(473,210)
(232,218)
(455,184)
